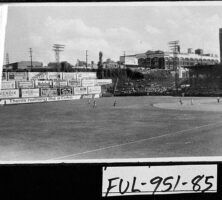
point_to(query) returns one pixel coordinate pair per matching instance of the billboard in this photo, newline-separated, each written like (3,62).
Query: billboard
(94,90)
(16,101)
(86,75)
(37,100)
(74,83)
(88,82)
(131,60)
(25,84)
(54,75)
(65,91)
(87,96)
(80,90)
(69,75)
(61,98)
(59,83)
(17,76)
(48,92)
(37,75)
(30,92)
(69,97)
(43,84)
(96,96)
(8,85)
(25,100)
(103,81)
(7,94)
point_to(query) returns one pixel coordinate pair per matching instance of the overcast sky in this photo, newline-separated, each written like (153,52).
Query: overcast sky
(110,29)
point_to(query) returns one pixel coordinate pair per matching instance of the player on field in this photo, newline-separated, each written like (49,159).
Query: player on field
(181,102)
(94,103)
(114,104)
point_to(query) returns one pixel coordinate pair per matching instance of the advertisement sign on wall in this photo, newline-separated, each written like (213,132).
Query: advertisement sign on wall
(66,91)
(70,97)
(87,96)
(54,75)
(48,92)
(37,100)
(69,75)
(103,81)
(61,98)
(43,84)
(8,85)
(17,76)
(86,75)
(59,83)
(74,83)
(25,84)
(30,92)
(16,101)
(94,90)
(7,94)
(37,75)
(88,82)
(96,96)
(80,90)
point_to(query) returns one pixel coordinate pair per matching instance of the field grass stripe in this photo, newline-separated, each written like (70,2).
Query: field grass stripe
(136,141)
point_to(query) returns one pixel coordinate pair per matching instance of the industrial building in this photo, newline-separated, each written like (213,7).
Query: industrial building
(164,60)
(23,65)
(110,64)
(168,60)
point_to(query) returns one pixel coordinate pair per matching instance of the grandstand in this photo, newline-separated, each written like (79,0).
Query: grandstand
(205,80)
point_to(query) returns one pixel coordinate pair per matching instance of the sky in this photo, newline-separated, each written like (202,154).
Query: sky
(110,28)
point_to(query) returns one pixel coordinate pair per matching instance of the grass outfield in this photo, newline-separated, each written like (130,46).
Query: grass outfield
(133,129)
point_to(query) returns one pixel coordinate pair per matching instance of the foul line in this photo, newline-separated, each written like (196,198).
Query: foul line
(133,142)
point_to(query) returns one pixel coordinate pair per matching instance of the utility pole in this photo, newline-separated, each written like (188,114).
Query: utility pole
(174,47)
(30,51)
(58,48)
(86,59)
(124,56)
(7,61)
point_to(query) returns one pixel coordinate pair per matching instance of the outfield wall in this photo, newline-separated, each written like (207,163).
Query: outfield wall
(33,87)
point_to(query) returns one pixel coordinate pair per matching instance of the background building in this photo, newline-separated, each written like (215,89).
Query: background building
(23,65)
(164,60)
(168,60)
(110,64)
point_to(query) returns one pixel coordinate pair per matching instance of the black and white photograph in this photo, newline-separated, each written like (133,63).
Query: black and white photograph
(112,82)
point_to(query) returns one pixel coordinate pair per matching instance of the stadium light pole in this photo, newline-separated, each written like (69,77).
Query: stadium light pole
(30,51)
(174,47)
(86,59)
(58,48)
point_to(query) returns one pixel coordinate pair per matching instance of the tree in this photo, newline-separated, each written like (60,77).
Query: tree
(100,66)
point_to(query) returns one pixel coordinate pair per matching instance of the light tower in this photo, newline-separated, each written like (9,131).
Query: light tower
(58,48)
(86,58)
(30,51)
(174,47)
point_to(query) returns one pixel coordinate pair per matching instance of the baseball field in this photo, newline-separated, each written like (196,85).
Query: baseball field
(137,127)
